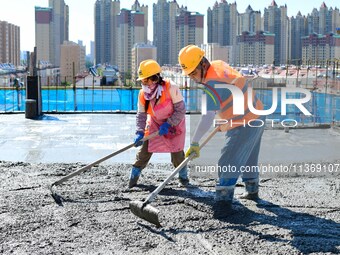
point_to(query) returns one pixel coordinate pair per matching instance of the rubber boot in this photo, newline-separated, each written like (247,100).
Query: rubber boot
(223,201)
(183,177)
(252,189)
(134,176)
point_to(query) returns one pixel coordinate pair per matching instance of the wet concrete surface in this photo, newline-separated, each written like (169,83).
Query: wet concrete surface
(295,215)
(71,138)
(299,213)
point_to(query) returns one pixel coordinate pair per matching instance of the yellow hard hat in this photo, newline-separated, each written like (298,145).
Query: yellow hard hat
(189,57)
(148,68)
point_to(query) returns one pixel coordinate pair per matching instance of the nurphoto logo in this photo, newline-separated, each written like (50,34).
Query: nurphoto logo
(239,105)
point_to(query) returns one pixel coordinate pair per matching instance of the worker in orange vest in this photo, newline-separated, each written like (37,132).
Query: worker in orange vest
(160,108)
(242,144)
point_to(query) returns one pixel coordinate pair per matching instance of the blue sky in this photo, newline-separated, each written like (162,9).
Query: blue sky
(21,13)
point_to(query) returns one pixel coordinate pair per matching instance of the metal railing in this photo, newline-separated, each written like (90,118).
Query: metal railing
(87,98)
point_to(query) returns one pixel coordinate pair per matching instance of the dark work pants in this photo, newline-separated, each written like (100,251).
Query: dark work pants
(143,157)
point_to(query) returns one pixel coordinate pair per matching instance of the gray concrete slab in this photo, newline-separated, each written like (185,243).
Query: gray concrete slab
(85,138)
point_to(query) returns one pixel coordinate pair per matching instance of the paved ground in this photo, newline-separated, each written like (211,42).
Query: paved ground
(299,212)
(71,138)
(297,215)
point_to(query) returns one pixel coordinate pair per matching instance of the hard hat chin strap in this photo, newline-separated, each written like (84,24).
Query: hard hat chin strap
(204,65)
(202,70)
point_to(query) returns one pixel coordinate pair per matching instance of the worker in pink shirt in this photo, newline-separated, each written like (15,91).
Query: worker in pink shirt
(160,108)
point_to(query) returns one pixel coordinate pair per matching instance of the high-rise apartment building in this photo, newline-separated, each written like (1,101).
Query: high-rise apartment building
(117,30)
(324,21)
(214,51)
(105,31)
(140,52)
(164,25)
(298,29)
(174,27)
(60,28)
(313,21)
(92,51)
(51,30)
(9,43)
(164,31)
(249,21)
(144,9)
(255,48)
(276,22)
(223,24)
(317,48)
(43,26)
(335,23)
(218,23)
(189,29)
(130,30)
(72,55)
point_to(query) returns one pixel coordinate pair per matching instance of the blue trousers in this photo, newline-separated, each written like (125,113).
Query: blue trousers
(239,155)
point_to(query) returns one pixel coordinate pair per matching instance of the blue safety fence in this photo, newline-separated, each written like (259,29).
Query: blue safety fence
(86,100)
(325,108)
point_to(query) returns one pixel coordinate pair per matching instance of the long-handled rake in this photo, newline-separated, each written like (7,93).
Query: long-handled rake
(142,209)
(57,198)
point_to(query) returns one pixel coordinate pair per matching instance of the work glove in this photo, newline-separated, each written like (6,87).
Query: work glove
(139,136)
(194,148)
(164,128)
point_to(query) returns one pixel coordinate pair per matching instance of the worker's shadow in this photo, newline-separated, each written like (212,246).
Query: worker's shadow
(307,233)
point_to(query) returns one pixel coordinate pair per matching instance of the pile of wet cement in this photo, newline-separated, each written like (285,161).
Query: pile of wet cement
(295,215)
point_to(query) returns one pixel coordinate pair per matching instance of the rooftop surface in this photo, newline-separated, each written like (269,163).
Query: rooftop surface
(294,215)
(69,138)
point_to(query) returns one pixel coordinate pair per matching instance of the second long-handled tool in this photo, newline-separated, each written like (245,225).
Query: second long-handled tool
(142,209)
(57,198)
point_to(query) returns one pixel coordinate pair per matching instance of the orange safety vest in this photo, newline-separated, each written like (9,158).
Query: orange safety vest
(156,116)
(221,72)
(165,95)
